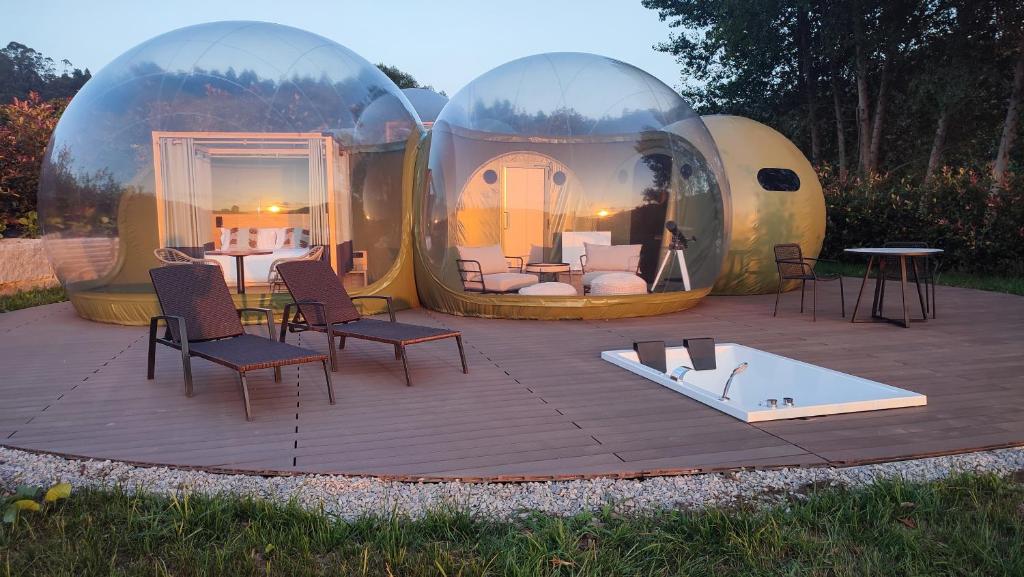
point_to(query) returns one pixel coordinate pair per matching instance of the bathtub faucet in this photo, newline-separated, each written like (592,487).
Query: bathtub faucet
(739,369)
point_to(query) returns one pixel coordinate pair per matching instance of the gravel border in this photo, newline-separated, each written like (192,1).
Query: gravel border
(354,497)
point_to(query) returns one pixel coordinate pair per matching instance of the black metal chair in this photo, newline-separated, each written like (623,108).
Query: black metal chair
(793,265)
(201,321)
(923,269)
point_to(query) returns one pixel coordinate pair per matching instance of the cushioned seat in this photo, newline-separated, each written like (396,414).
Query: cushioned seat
(508,281)
(588,277)
(549,289)
(618,283)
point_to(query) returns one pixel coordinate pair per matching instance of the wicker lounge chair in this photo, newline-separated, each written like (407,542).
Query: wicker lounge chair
(172,256)
(793,265)
(274,279)
(322,304)
(202,322)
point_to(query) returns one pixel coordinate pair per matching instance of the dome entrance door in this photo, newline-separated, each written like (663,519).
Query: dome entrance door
(524,211)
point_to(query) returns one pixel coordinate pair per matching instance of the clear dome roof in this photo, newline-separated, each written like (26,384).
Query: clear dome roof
(220,126)
(565,94)
(426,102)
(548,154)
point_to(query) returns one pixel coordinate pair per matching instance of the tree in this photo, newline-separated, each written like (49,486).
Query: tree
(25,128)
(402,79)
(1009,133)
(24,70)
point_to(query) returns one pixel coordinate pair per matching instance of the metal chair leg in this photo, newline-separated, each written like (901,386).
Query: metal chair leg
(151,359)
(330,350)
(277,374)
(405,365)
(186,362)
(814,301)
(398,353)
(341,342)
(803,285)
(245,395)
(330,386)
(778,293)
(842,296)
(462,355)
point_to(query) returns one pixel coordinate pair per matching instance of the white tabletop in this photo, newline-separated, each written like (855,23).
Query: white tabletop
(893,251)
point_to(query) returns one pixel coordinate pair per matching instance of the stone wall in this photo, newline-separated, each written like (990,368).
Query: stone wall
(23,265)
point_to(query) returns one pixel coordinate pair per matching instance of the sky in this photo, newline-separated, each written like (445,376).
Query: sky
(444,43)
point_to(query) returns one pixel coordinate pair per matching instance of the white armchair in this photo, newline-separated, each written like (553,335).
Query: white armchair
(486,269)
(603,259)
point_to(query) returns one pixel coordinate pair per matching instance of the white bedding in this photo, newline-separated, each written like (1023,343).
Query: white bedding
(257,267)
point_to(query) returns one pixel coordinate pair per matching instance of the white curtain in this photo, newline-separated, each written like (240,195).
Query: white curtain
(318,232)
(187,193)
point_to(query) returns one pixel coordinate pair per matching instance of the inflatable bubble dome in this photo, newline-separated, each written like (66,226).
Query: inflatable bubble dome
(223,138)
(569,166)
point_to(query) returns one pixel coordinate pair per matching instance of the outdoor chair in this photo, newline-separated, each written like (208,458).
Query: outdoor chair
(171,256)
(793,265)
(201,321)
(322,304)
(274,278)
(486,269)
(923,269)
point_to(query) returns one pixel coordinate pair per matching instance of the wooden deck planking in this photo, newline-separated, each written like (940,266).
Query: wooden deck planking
(538,402)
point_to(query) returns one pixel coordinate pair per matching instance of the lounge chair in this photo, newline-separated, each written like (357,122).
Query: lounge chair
(322,304)
(201,321)
(793,265)
(172,256)
(274,279)
(600,259)
(486,269)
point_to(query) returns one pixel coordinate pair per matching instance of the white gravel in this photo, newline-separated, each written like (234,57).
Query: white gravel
(353,497)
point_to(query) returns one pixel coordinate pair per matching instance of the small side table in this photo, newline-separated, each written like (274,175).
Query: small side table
(239,264)
(551,268)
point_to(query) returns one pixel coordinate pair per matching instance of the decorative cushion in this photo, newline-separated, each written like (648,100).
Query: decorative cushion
(624,257)
(589,277)
(491,258)
(549,289)
(225,237)
(506,281)
(241,238)
(296,238)
(618,283)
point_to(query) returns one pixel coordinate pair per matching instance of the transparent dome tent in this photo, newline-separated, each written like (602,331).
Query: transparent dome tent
(227,136)
(427,103)
(556,156)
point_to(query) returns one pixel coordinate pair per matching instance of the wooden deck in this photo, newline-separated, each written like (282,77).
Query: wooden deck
(537,403)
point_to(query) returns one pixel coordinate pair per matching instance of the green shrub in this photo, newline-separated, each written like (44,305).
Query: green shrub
(981,232)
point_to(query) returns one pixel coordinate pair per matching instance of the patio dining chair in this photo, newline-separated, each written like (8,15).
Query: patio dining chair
(793,265)
(202,321)
(172,256)
(274,277)
(322,304)
(923,269)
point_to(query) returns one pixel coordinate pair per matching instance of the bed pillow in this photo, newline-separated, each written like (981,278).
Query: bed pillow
(279,237)
(225,237)
(624,257)
(491,258)
(266,238)
(241,238)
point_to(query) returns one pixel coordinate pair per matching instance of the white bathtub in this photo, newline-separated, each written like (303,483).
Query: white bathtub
(815,390)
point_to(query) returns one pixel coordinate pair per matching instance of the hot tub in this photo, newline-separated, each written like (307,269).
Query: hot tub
(815,390)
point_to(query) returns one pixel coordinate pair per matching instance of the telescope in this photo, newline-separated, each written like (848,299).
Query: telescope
(679,239)
(676,247)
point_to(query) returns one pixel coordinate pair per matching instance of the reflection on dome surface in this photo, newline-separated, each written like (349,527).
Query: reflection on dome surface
(227,136)
(545,154)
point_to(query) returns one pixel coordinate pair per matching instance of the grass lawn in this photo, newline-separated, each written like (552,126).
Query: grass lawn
(1004,284)
(32,298)
(969,525)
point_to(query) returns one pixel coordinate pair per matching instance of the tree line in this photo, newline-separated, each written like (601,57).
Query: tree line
(865,86)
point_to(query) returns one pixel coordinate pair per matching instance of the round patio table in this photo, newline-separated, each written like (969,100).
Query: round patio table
(239,265)
(552,268)
(877,258)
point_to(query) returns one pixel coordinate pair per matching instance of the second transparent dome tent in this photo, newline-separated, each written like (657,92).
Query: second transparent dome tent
(554,157)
